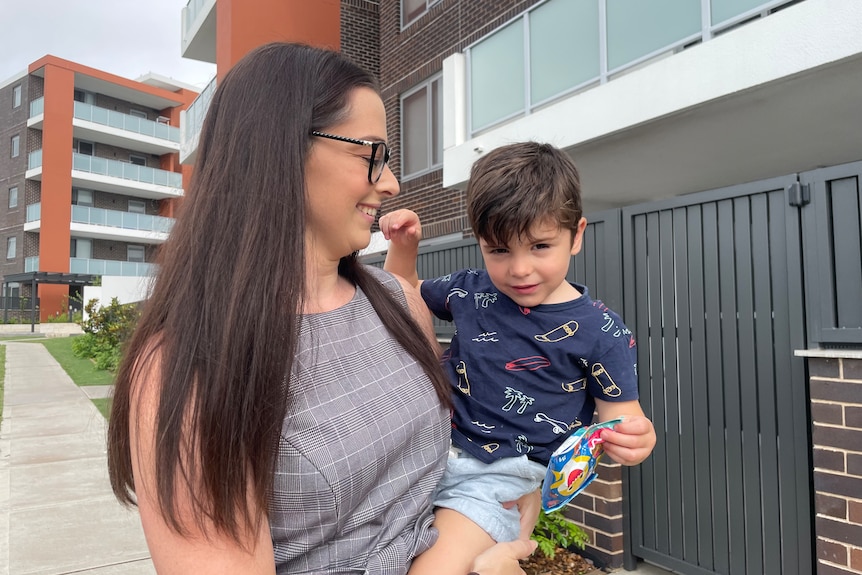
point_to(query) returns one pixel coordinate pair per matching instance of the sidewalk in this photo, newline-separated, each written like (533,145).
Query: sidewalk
(57,512)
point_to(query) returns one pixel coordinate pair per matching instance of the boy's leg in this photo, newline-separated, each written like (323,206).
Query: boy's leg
(459,542)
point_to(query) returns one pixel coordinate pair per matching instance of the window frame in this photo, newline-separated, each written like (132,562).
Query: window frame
(142,204)
(142,160)
(17,96)
(15,146)
(11,245)
(87,143)
(9,198)
(143,250)
(406,23)
(76,199)
(429,126)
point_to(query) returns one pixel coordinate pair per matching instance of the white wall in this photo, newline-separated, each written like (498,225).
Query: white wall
(125,289)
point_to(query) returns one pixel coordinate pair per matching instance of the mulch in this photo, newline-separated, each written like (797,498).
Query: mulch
(564,563)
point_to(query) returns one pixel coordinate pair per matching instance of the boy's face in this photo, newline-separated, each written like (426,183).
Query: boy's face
(533,272)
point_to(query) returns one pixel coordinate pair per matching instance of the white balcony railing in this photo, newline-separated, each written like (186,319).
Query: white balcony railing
(118,219)
(559,47)
(126,122)
(98,267)
(110,267)
(109,218)
(34,159)
(126,171)
(192,119)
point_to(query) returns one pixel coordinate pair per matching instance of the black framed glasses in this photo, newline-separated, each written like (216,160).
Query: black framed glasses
(379,153)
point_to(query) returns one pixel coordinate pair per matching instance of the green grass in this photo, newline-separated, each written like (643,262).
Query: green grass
(82,371)
(104,406)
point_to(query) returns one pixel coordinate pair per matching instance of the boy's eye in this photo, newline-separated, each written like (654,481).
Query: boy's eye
(498,250)
(542,246)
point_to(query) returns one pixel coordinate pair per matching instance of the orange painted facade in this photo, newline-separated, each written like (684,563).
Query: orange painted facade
(57,147)
(242,25)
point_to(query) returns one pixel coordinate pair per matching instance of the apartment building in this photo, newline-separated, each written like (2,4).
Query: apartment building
(720,148)
(89,175)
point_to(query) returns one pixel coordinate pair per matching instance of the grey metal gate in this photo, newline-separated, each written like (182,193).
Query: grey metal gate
(714,293)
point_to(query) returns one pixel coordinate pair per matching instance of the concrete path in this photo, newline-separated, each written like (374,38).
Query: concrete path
(57,512)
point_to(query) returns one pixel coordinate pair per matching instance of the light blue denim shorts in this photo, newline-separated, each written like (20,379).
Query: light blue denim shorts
(477,490)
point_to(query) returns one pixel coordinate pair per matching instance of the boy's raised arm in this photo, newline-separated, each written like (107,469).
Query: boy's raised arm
(403,230)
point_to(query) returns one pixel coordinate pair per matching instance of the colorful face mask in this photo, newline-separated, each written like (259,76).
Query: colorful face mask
(573,465)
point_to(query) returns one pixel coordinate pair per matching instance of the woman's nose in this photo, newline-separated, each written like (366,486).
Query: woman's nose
(388,183)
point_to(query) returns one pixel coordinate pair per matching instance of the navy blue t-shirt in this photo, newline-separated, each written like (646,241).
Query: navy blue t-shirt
(525,378)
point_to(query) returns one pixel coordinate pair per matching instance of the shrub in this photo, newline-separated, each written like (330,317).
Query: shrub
(554,530)
(105,330)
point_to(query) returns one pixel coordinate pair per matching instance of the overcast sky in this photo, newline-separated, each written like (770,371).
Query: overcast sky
(125,37)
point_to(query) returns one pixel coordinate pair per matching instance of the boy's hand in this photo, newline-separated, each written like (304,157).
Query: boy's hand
(403,230)
(402,227)
(631,441)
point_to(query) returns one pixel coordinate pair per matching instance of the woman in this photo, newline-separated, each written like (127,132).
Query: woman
(279,407)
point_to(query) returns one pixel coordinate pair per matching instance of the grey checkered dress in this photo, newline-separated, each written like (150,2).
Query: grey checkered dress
(362,449)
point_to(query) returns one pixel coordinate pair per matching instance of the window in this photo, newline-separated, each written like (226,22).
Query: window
(138,113)
(422,128)
(135,254)
(81,248)
(16,146)
(16,96)
(412,9)
(13,290)
(13,197)
(82,197)
(86,148)
(137,206)
(138,160)
(84,96)
(11,245)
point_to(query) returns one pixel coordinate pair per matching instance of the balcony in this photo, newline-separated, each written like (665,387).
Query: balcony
(98,223)
(199,30)
(112,176)
(191,121)
(114,128)
(98,267)
(110,267)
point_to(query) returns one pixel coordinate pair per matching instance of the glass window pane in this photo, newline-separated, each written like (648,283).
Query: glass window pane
(411,9)
(436,124)
(497,76)
(13,197)
(83,248)
(726,9)
(135,253)
(564,46)
(414,128)
(637,28)
(16,146)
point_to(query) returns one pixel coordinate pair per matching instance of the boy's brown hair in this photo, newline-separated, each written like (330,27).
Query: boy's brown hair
(518,185)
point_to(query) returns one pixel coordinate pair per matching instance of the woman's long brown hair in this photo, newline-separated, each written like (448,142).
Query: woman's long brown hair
(222,313)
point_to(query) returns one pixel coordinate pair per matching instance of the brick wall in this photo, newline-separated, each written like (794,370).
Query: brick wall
(836,427)
(599,511)
(360,35)
(13,121)
(409,57)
